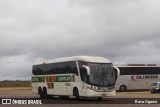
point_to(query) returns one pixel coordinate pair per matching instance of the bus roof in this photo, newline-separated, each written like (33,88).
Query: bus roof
(139,65)
(142,65)
(82,58)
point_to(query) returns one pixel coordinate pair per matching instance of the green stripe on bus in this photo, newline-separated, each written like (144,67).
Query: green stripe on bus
(64,78)
(50,79)
(108,88)
(37,79)
(52,85)
(67,78)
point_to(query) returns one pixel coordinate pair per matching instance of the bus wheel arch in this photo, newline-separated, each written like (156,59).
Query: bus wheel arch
(123,88)
(76,93)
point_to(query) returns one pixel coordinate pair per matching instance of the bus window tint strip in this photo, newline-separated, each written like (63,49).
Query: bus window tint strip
(139,70)
(56,68)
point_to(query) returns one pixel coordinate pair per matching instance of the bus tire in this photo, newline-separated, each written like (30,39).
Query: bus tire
(44,92)
(76,93)
(40,92)
(122,88)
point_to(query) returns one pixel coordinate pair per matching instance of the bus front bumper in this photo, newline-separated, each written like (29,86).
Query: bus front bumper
(92,93)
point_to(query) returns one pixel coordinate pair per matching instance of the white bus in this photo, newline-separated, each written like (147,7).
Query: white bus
(79,76)
(137,76)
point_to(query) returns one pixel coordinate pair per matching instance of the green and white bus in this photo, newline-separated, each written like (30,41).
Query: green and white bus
(79,76)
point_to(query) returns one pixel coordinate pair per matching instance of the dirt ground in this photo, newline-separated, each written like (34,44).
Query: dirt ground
(15,88)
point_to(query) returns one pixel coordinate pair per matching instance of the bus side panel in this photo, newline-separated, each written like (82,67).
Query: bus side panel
(64,88)
(135,83)
(35,87)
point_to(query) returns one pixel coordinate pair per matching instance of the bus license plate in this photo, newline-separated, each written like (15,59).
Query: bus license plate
(104,94)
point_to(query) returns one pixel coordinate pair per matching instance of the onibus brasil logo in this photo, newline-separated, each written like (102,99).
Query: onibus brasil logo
(21,101)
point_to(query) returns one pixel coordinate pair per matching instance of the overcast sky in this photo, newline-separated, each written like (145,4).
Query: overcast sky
(32,31)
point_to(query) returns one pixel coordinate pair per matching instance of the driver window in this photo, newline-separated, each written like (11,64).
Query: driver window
(84,75)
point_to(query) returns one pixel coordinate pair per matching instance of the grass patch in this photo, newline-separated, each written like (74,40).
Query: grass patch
(14,84)
(15,88)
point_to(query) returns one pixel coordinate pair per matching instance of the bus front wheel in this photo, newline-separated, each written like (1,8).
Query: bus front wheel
(76,93)
(123,88)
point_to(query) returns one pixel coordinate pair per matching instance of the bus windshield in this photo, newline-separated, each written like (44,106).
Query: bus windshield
(101,74)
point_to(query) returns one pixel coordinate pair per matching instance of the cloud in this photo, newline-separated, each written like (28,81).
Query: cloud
(32,31)
(17,67)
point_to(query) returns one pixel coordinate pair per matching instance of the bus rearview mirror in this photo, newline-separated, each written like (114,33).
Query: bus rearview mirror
(117,70)
(87,68)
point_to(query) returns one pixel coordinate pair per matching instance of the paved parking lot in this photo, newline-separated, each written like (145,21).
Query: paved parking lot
(29,94)
(112,100)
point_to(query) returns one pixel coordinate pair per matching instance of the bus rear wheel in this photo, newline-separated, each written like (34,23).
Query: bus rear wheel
(40,92)
(123,88)
(43,93)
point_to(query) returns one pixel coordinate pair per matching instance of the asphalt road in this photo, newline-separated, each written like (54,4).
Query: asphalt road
(29,94)
(122,98)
